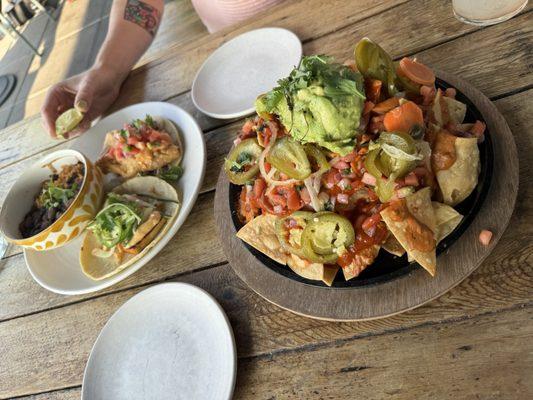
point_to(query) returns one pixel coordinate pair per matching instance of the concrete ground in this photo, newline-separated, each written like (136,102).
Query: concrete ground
(70,46)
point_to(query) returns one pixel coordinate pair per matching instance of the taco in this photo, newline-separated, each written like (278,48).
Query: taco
(456,164)
(144,147)
(134,217)
(446,218)
(261,234)
(412,222)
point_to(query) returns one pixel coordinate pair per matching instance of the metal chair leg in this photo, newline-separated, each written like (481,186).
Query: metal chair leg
(42,8)
(14,33)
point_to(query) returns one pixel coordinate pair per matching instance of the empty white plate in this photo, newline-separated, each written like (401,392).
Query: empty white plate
(59,270)
(230,80)
(171,341)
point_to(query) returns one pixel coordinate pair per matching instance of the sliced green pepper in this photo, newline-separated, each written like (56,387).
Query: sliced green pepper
(374,62)
(389,164)
(242,162)
(393,155)
(315,155)
(284,234)
(326,236)
(289,157)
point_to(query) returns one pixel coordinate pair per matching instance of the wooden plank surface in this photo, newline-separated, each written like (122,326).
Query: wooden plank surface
(480,358)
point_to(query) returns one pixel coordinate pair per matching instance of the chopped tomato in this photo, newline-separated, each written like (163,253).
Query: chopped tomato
(485,237)
(417,72)
(478,129)
(450,92)
(428,94)
(411,179)
(247,127)
(368,106)
(403,118)
(373,90)
(132,140)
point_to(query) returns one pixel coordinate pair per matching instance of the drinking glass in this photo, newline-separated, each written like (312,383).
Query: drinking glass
(486,12)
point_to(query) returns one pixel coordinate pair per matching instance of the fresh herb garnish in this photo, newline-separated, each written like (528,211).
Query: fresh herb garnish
(52,196)
(242,160)
(318,70)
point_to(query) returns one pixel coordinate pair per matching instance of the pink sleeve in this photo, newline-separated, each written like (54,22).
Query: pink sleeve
(218,14)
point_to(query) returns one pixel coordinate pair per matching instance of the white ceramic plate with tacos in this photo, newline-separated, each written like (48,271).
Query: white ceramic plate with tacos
(161,206)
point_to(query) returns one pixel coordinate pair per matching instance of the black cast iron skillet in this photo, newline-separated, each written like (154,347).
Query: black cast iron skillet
(387,267)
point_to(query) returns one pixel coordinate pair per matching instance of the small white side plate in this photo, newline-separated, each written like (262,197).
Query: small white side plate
(171,341)
(59,270)
(230,80)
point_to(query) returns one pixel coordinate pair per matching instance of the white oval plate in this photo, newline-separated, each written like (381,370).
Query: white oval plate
(171,341)
(59,270)
(230,80)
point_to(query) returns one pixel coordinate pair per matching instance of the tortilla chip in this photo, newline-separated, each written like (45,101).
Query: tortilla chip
(330,272)
(456,110)
(419,205)
(455,114)
(447,220)
(260,233)
(304,268)
(392,246)
(457,182)
(361,260)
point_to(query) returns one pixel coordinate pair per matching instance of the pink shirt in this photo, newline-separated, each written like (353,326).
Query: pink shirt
(217,14)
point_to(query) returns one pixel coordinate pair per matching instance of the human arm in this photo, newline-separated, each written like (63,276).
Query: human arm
(132,27)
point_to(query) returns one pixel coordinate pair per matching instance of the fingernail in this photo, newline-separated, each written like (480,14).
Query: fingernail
(81,105)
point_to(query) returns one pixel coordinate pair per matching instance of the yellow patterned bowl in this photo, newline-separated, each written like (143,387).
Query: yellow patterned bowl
(73,221)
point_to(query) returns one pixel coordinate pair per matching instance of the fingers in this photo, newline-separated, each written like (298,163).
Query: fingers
(50,110)
(84,97)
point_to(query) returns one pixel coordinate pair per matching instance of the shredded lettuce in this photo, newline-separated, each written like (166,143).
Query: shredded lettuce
(116,222)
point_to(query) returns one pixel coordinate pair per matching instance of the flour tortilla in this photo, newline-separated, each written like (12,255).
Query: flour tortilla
(447,220)
(260,233)
(169,127)
(457,182)
(98,268)
(419,205)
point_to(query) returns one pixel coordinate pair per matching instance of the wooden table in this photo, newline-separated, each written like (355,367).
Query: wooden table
(473,342)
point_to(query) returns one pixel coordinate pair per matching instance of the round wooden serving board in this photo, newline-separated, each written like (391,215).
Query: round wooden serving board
(405,292)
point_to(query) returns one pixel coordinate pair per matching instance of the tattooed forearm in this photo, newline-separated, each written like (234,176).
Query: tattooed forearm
(142,14)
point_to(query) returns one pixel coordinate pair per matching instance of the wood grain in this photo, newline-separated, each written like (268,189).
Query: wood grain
(456,360)
(405,292)
(472,342)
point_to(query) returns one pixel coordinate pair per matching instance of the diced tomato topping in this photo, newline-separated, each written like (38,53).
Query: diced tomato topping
(411,179)
(373,90)
(450,92)
(478,129)
(485,237)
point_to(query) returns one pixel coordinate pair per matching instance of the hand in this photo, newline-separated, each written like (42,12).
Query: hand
(91,92)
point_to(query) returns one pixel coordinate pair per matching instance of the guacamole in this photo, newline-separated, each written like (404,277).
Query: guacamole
(320,102)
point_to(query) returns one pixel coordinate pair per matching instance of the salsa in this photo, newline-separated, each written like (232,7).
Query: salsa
(54,198)
(443,155)
(419,236)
